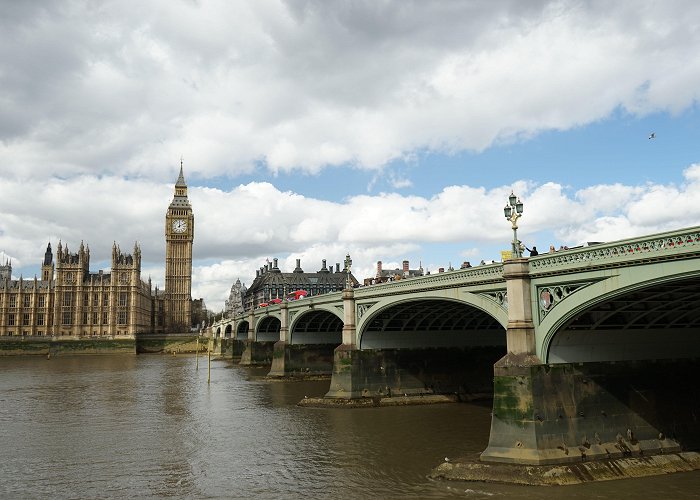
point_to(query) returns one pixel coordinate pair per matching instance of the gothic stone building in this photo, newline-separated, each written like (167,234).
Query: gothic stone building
(234,304)
(271,283)
(71,301)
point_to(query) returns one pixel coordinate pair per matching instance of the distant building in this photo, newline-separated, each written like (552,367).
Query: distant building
(200,314)
(234,305)
(271,283)
(71,301)
(384,275)
(6,270)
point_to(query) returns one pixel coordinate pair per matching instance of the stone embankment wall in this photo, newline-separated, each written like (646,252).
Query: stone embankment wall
(48,346)
(170,344)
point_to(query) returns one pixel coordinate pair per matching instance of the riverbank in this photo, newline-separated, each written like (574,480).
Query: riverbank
(47,346)
(429,399)
(146,343)
(568,474)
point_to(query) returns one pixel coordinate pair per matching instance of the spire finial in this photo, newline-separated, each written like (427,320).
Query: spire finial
(181,178)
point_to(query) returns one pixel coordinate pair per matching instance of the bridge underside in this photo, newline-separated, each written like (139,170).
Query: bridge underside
(242,331)
(658,322)
(312,339)
(317,327)
(421,347)
(268,330)
(432,323)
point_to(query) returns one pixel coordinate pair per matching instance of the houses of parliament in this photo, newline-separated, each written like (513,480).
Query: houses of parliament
(70,301)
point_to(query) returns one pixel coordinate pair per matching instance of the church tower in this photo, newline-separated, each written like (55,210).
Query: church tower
(179,234)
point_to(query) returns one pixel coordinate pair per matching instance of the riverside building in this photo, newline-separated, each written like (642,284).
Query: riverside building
(272,284)
(70,301)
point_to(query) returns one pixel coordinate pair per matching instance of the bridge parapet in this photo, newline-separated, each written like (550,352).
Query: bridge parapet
(489,273)
(683,244)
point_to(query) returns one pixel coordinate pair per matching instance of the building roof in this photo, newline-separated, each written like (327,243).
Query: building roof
(272,277)
(180,200)
(181,178)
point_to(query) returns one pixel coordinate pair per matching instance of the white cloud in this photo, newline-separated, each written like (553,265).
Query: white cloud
(237,230)
(307,84)
(100,98)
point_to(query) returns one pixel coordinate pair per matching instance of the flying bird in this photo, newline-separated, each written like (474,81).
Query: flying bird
(652,135)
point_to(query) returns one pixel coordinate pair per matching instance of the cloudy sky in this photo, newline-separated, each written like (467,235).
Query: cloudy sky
(388,129)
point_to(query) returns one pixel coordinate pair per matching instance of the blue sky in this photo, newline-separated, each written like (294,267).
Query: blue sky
(614,149)
(388,129)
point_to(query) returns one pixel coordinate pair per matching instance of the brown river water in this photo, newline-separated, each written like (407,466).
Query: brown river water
(150,426)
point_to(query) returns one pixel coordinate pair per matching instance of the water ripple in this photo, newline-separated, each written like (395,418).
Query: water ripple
(151,427)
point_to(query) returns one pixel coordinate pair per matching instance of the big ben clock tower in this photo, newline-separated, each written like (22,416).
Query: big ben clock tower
(179,234)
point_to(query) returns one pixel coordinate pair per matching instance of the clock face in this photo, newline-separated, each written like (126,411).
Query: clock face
(179,226)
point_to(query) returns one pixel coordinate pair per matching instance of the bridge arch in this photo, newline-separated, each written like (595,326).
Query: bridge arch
(321,325)
(227,331)
(636,313)
(217,334)
(242,330)
(437,320)
(268,329)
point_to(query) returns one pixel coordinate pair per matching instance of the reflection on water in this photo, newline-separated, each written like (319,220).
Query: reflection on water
(151,426)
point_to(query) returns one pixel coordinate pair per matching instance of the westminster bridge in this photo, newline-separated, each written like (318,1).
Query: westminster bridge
(588,353)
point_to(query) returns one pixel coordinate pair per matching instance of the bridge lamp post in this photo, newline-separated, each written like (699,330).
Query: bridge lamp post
(348,265)
(513,210)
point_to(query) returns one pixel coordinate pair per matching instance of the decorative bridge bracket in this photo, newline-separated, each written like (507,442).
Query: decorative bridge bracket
(549,296)
(500,297)
(363,308)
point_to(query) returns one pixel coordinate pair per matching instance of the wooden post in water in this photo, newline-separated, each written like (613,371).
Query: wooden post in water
(209,364)
(196,356)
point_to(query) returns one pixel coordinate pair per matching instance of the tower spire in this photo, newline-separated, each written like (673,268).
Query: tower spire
(181,178)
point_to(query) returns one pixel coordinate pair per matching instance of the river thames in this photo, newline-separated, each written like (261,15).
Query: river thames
(150,426)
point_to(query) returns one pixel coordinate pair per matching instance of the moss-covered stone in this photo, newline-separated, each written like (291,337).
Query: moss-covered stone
(50,346)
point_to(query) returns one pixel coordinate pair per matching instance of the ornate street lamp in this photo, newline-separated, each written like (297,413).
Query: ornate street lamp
(348,265)
(513,210)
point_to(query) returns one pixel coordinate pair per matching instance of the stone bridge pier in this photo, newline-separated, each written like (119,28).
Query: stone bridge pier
(567,412)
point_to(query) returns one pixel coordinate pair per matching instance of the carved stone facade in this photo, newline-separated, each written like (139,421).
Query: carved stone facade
(70,301)
(234,304)
(271,283)
(179,235)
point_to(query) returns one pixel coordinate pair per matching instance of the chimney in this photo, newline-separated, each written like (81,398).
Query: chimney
(337,267)
(274,262)
(298,269)
(441,270)
(379,268)
(405,266)
(324,264)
